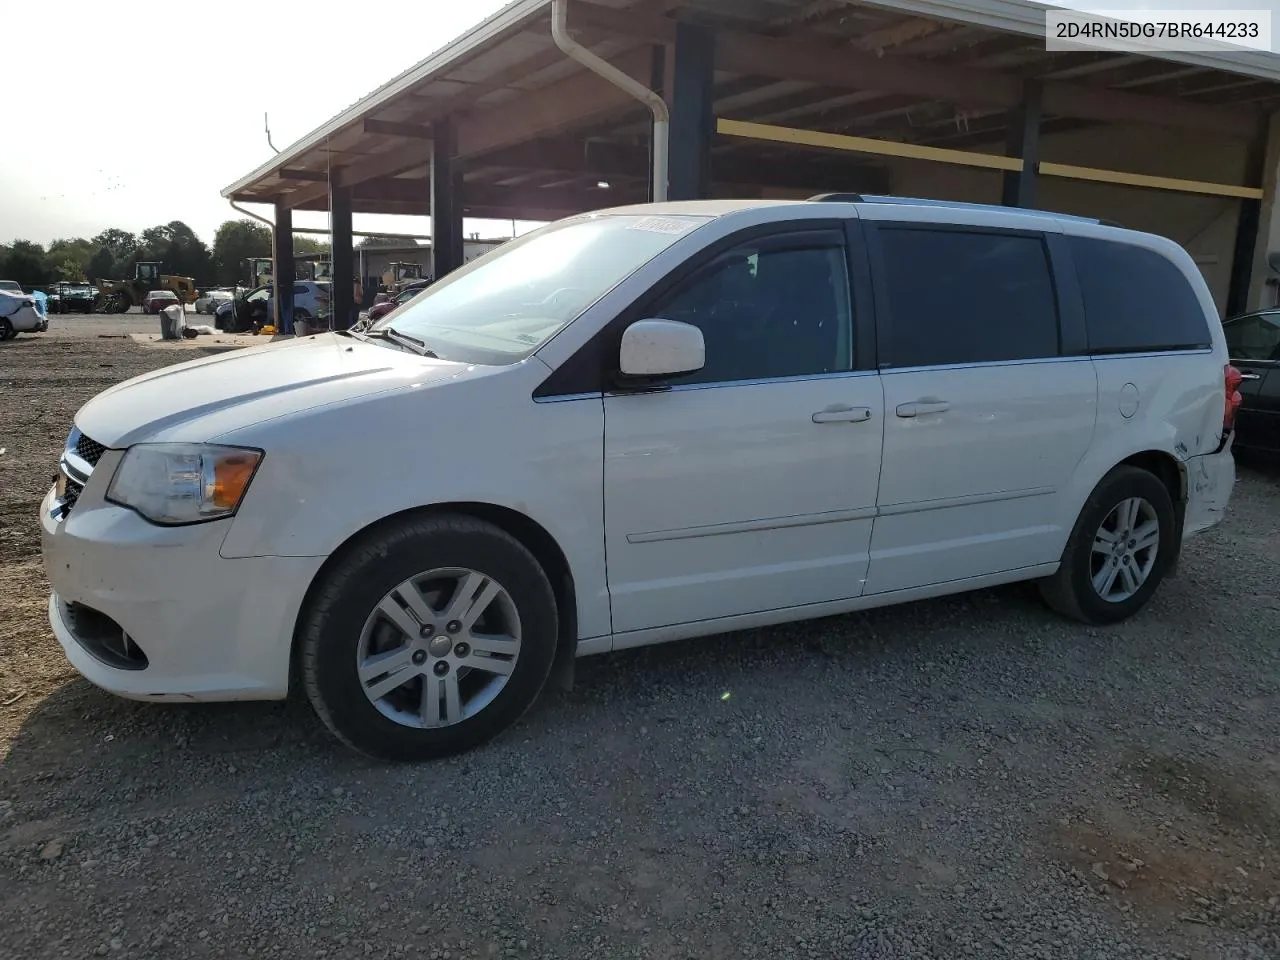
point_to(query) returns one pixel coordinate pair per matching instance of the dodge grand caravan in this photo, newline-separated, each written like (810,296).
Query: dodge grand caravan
(643,425)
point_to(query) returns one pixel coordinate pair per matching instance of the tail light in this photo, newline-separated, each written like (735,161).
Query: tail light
(1231,379)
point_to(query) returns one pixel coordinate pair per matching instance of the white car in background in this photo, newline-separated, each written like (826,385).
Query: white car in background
(20,313)
(208,301)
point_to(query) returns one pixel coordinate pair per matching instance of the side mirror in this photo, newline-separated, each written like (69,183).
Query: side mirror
(661,348)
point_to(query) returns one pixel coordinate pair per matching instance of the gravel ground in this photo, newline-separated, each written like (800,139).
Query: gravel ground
(970,777)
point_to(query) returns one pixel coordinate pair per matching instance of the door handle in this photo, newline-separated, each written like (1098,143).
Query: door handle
(1250,376)
(921,407)
(837,413)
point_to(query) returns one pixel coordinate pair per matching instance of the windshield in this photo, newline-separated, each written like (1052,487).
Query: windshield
(503,306)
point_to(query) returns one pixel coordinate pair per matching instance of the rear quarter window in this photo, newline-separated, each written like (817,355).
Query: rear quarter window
(1136,301)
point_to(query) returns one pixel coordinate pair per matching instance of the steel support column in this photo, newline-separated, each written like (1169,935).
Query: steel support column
(282,269)
(1261,294)
(1248,226)
(344,305)
(692,114)
(446,201)
(1023,141)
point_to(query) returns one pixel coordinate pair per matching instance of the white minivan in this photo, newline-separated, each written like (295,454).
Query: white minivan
(640,425)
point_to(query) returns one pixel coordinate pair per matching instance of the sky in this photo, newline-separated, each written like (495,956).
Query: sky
(162,103)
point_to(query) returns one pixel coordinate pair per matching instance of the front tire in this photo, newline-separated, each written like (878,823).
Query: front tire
(1120,549)
(6,329)
(428,639)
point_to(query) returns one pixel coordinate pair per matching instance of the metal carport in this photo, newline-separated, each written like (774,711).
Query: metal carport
(958,100)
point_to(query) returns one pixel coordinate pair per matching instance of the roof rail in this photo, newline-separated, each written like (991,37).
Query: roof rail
(954,204)
(836,198)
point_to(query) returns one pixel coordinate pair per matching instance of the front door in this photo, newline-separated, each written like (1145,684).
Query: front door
(751,485)
(984,423)
(1253,342)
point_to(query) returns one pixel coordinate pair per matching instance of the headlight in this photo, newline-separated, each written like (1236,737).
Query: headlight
(177,483)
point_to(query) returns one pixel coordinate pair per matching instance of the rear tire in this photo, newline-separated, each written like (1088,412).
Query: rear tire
(6,329)
(1120,549)
(452,696)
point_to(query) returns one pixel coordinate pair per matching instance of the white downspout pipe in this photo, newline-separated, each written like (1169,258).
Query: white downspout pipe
(625,82)
(250,213)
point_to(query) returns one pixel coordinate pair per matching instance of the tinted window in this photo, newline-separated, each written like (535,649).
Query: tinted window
(768,313)
(301,290)
(959,297)
(1135,300)
(1255,337)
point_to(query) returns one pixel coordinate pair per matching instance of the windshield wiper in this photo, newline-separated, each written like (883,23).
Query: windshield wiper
(403,340)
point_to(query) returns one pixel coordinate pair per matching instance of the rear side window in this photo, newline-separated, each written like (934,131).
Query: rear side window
(1136,301)
(967,297)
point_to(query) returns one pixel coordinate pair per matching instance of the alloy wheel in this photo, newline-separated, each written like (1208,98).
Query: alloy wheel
(1124,550)
(439,648)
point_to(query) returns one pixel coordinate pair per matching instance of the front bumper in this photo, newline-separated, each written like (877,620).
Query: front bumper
(201,627)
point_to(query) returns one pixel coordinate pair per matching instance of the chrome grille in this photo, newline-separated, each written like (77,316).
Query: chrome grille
(90,451)
(71,495)
(78,460)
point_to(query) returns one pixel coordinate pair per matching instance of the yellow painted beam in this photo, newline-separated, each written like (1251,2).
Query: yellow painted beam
(968,158)
(886,148)
(1071,172)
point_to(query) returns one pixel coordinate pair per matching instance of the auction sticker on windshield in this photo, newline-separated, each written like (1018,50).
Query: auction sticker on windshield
(664,225)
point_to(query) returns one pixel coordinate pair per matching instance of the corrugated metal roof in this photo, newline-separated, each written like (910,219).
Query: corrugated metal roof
(1028,17)
(518,35)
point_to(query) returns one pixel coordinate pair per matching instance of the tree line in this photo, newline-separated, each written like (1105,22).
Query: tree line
(111,254)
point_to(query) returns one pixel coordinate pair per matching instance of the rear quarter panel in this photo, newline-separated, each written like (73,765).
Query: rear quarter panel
(1171,403)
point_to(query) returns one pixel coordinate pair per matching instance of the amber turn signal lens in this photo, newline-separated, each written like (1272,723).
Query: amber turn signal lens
(231,476)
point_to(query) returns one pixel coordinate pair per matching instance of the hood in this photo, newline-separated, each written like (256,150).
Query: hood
(203,399)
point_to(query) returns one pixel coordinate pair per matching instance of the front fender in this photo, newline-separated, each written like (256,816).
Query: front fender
(330,474)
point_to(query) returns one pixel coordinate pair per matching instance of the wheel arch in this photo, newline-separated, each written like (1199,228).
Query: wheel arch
(1155,458)
(1172,472)
(531,534)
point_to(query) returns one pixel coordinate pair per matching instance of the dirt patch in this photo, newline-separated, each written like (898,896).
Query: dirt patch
(1231,802)
(1181,844)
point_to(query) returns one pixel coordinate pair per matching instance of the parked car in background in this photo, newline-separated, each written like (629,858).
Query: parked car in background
(20,313)
(1253,341)
(311,302)
(224,314)
(380,310)
(71,297)
(208,301)
(157,300)
(11,286)
(761,411)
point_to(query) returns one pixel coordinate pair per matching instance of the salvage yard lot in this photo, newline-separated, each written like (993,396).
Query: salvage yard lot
(965,777)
